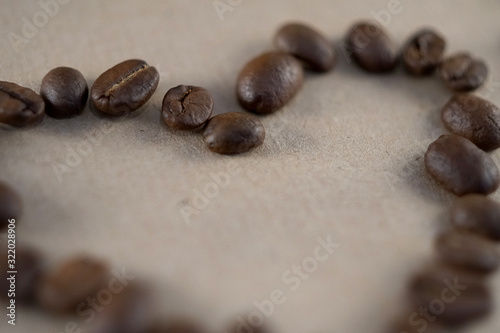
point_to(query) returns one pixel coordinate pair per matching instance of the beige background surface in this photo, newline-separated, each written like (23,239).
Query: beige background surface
(343,159)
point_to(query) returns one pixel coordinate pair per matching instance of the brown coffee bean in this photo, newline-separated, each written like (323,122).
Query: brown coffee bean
(175,326)
(125,87)
(307,45)
(20,106)
(477,213)
(187,107)
(64,288)
(468,251)
(473,118)
(10,205)
(233,133)
(65,92)
(28,265)
(453,297)
(460,167)
(371,48)
(461,72)
(424,52)
(127,312)
(269,81)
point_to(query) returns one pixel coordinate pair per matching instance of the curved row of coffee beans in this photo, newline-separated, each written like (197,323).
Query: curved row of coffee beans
(466,253)
(94,297)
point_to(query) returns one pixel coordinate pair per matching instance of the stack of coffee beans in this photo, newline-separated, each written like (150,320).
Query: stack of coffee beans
(451,292)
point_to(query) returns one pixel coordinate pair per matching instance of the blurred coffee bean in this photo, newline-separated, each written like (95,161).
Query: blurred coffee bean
(477,213)
(462,72)
(467,250)
(307,45)
(451,297)
(68,285)
(371,48)
(28,264)
(423,52)
(10,205)
(473,118)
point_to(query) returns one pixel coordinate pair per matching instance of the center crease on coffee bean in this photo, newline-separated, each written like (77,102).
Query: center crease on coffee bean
(125,79)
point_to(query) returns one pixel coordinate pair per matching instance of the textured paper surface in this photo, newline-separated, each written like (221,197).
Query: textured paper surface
(343,159)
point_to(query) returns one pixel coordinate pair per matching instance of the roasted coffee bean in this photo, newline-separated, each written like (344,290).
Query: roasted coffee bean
(460,167)
(233,133)
(28,265)
(175,326)
(477,213)
(473,118)
(187,107)
(63,289)
(461,72)
(125,87)
(307,45)
(467,250)
(65,92)
(371,48)
(453,297)
(10,205)
(126,313)
(269,81)
(424,52)
(20,106)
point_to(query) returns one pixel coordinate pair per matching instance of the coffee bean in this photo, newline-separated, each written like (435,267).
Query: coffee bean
(20,106)
(424,52)
(269,81)
(65,92)
(461,72)
(28,264)
(460,167)
(453,297)
(63,289)
(187,107)
(371,48)
(307,45)
(468,251)
(233,133)
(473,118)
(127,312)
(175,326)
(10,205)
(477,213)
(125,87)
